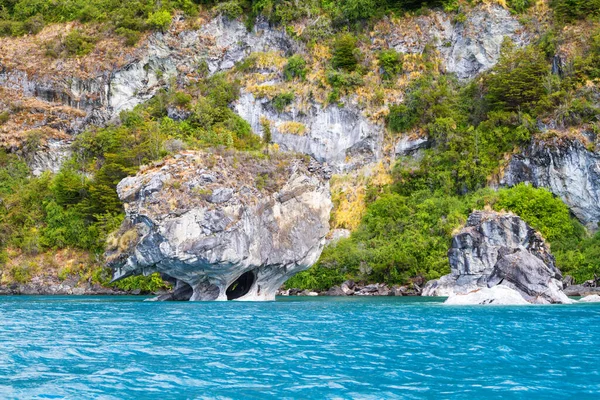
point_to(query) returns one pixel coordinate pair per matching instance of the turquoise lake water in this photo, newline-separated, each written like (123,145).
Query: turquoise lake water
(308,348)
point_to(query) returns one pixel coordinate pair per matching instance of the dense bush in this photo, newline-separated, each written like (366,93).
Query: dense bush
(29,16)
(295,68)
(231,9)
(354,10)
(345,53)
(517,81)
(390,62)
(569,10)
(146,284)
(159,20)
(78,44)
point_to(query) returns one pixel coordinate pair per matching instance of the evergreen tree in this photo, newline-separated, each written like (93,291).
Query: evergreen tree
(345,53)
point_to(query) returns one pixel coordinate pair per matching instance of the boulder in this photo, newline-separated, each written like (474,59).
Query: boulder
(335,291)
(239,235)
(500,249)
(348,287)
(581,290)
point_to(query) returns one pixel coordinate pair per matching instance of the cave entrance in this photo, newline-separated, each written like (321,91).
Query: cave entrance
(241,286)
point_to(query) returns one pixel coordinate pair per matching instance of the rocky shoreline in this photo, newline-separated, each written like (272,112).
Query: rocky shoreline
(348,288)
(71,286)
(351,288)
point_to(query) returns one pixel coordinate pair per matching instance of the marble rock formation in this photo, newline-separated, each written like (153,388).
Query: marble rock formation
(222,226)
(499,249)
(567,168)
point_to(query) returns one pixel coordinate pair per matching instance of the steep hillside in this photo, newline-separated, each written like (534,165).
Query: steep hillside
(423,110)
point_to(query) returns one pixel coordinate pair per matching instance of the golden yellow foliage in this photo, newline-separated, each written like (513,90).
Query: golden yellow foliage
(292,128)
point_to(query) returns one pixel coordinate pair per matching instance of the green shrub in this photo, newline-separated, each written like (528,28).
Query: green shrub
(400,118)
(460,18)
(390,62)
(539,208)
(131,36)
(6,28)
(355,10)
(295,68)
(230,9)
(24,273)
(146,284)
(282,100)
(425,100)
(4,117)
(519,6)
(78,44)
(266,127)
(182,99)
(160,20)
(517,81)
(570,10)
(345,53)
(33,25)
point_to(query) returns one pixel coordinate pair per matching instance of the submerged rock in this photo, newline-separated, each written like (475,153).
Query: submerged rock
(500,249)
(565,167)
(497,295)
(594,298)
(238,235)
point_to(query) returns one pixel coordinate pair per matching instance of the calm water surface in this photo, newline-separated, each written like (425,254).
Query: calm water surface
(312,348)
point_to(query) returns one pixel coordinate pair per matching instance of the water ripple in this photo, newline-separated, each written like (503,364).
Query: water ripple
(325,348)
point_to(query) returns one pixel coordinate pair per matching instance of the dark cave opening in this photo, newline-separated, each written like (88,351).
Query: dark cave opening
(240,286)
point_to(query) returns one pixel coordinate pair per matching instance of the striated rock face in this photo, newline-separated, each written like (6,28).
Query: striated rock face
(500,249)
(231,227)
(474,46)
(342,137)
(50,157)
(468,47)
(220,43)
(567,169)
